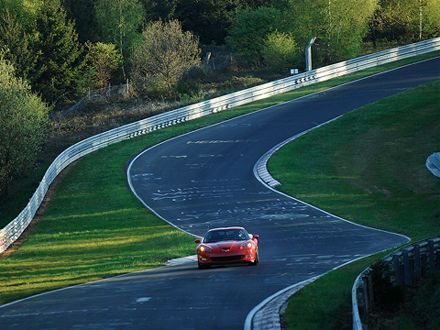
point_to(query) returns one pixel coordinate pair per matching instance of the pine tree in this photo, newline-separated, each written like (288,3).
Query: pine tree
(120,22)
(59,55)
(82,12)
(16,36)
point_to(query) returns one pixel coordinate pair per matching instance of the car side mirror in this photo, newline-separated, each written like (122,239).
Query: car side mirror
(198,241)
(255,236)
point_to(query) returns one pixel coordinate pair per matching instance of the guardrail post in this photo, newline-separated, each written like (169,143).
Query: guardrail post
(360,296)
(309,54)
(431,256)
(407,271)
(417,263)
(370,290)
(365,291)
(397,270)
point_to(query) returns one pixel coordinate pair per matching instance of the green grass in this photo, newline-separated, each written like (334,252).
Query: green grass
(94,227)
(324,303)
(368,166)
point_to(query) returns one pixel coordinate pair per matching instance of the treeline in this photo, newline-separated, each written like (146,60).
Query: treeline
(63,47)
(52,51)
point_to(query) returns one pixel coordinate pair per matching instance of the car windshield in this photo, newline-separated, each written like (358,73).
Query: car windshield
(226,235)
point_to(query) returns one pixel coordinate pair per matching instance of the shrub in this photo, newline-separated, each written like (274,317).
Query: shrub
(279,51)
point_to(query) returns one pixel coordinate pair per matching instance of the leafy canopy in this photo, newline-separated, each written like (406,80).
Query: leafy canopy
(23,125)
(165,54)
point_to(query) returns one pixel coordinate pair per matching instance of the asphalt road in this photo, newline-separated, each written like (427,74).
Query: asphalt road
(203,180)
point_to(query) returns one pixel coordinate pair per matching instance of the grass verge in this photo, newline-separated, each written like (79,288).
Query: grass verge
(94,227)
(368,166)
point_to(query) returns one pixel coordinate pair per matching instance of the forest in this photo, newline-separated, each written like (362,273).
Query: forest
(52,52)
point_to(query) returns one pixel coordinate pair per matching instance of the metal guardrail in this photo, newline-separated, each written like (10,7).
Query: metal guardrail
(433,164)
(10,233)
(402,268)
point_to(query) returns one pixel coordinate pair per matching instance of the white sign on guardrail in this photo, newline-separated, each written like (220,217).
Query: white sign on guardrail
(10,233)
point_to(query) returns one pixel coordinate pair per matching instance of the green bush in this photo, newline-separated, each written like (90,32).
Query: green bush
(188,88)
(23,125)
(279,51)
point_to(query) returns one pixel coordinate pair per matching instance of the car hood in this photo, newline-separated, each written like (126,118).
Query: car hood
(228,245)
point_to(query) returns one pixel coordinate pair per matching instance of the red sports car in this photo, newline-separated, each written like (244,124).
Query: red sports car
(226,246)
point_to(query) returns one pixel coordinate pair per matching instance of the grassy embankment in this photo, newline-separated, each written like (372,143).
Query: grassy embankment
(94,227)
(369,167)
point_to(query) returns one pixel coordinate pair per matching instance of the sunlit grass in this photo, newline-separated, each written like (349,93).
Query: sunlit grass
(369,167)
(95,228)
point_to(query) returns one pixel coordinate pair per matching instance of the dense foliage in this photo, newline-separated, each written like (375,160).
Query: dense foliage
(23,125)
(339,25)
(119,22)
(59,58)
(16,36)
(102,60)
(45,39)
(405,20)
(250,29)
(165,54)
(279,51)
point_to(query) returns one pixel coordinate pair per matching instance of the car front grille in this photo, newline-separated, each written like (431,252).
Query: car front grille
(226,259)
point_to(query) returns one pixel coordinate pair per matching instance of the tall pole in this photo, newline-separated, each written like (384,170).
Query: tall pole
(309,54)
(121,38)
(420,20)
(329,20)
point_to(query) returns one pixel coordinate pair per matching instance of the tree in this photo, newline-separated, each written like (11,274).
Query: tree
(279,51)
(405,21)
(160,9)
(339,25)
(82,12)
(165,54)
(250,29)
(102,60)
(16,36)
(119,22)
(209,19)
(23,125)
(59,55)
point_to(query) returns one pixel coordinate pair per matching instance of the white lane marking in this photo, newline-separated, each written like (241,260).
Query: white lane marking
(214,141)
(176,157)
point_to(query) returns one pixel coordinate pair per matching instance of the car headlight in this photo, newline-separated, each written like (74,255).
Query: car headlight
(246,245)
(204,248)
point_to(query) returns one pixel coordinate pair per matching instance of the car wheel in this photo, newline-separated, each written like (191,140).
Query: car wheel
(256,261)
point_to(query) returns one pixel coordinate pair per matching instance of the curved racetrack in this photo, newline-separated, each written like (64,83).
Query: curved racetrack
(205,179)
